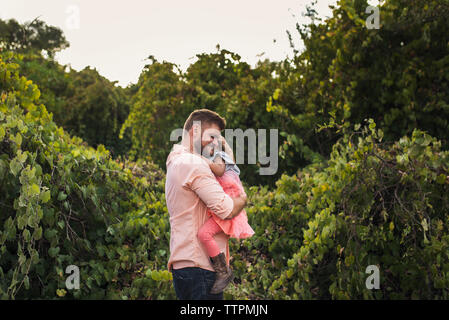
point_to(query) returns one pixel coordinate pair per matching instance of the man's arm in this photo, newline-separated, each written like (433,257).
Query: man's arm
(204,184)
(239,204)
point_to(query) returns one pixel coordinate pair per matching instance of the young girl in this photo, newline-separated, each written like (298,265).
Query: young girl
(227,174)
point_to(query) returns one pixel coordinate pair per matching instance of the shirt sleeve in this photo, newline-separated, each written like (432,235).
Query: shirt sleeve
(206,186)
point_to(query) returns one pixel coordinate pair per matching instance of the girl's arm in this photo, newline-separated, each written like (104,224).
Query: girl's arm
(218,166)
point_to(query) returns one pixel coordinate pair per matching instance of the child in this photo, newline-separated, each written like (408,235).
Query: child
(227,174)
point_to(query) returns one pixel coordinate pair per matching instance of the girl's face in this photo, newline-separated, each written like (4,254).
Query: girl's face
(208,139)
(211,141)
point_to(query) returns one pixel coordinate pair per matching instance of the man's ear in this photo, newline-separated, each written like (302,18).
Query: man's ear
(195,129)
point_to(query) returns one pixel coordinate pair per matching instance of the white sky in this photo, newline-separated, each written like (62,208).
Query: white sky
(116,36)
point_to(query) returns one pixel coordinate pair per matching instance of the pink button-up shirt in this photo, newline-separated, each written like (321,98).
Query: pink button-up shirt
(190,189)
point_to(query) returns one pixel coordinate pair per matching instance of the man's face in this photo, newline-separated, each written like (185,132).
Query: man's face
(208,140)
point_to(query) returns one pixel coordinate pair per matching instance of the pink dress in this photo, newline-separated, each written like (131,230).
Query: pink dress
(238,226)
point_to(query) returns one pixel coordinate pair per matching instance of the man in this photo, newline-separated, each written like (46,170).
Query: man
(190,189)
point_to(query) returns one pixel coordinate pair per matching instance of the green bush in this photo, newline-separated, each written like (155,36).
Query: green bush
(372,203)
(64,203)
(397,74)
(221,82)
(341,201)
(375,204)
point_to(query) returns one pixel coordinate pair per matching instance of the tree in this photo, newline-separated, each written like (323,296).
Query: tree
(34,35)
(95,108)
(160,105)
(398,74)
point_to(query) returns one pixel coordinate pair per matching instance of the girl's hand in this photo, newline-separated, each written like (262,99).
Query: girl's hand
(222,141)
(227,148)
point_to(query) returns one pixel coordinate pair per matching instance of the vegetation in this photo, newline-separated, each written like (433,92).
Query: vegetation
(363,174)
(65,203)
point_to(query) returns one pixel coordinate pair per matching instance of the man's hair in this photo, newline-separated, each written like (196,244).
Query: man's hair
(205,116)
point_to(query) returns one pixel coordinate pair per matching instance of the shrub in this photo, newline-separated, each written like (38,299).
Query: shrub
(64,203)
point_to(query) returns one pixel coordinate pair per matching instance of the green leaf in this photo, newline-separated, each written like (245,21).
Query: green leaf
(75,153)
(21,156)
(53,252)
(155,275)
(21,221)
(61,292)
(424,225)
(15,166)
(297,287)
(37,234)
(62,196)
(26,235)
(45,196)
(61,224)
(166,275)
(34,190)
(349,260)
(426,241)
(50,234)
(18,139)
(22,259)
(441,179)
(26,282)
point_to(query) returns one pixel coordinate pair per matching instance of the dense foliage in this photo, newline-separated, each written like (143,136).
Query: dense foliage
(397,74)
(363,171)
(373,203)
(65,203)
(35,35)
(83,102)
(217,81)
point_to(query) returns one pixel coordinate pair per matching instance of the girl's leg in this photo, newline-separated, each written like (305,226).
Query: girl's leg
(224,274)
(206,236)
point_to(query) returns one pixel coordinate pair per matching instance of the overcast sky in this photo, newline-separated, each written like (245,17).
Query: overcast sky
(116,36)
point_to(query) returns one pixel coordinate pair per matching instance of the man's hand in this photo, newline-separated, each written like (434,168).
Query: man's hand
(239,204)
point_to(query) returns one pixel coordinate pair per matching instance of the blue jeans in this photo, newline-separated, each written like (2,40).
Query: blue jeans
(194,284)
